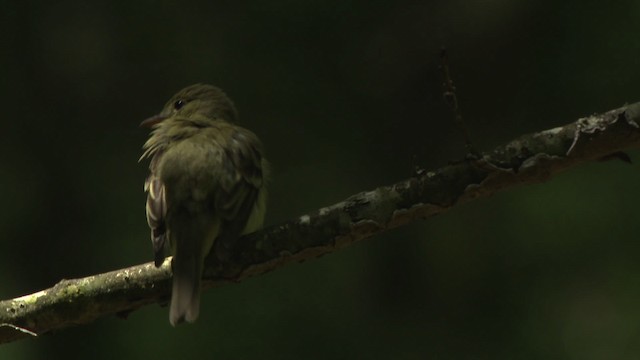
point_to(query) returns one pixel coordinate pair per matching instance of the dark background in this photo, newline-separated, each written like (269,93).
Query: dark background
(346,96)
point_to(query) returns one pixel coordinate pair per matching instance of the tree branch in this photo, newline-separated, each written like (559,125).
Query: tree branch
(529,159)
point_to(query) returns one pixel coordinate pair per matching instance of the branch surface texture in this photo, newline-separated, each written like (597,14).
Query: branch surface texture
(530,158)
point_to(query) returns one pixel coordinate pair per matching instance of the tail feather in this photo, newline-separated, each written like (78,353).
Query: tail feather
(185,295)
(192,242)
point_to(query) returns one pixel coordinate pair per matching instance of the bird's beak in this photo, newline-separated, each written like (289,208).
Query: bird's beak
(148,123)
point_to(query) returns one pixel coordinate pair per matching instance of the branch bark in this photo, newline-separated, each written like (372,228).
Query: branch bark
(530,158)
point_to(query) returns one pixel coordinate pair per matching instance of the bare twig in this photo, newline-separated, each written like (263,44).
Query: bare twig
(17,328)
(451,98)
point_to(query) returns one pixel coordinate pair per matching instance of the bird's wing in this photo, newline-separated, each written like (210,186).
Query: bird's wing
(156,213)
(241,180)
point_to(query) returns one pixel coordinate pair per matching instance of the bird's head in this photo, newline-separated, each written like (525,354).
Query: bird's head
(196,100)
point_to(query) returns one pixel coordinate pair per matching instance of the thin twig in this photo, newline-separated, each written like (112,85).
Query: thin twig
(18,328)
(450,97)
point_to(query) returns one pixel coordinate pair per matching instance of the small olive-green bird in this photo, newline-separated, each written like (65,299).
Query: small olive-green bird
(206,186)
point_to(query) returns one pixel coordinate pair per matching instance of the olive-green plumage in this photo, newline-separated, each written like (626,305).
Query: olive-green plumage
(206,186)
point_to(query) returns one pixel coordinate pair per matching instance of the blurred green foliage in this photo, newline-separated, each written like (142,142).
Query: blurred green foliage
(346,96)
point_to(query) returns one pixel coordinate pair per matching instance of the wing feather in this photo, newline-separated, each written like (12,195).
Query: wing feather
(156,209)
(240,184)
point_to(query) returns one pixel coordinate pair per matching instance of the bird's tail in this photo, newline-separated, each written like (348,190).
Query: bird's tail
(185,295)
(191,242)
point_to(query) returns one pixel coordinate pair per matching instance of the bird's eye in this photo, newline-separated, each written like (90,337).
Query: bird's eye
(178,104)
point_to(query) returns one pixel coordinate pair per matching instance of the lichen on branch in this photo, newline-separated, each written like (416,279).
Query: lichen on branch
(530,158)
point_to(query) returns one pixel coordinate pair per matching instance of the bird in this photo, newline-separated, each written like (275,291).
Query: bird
(205,188)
